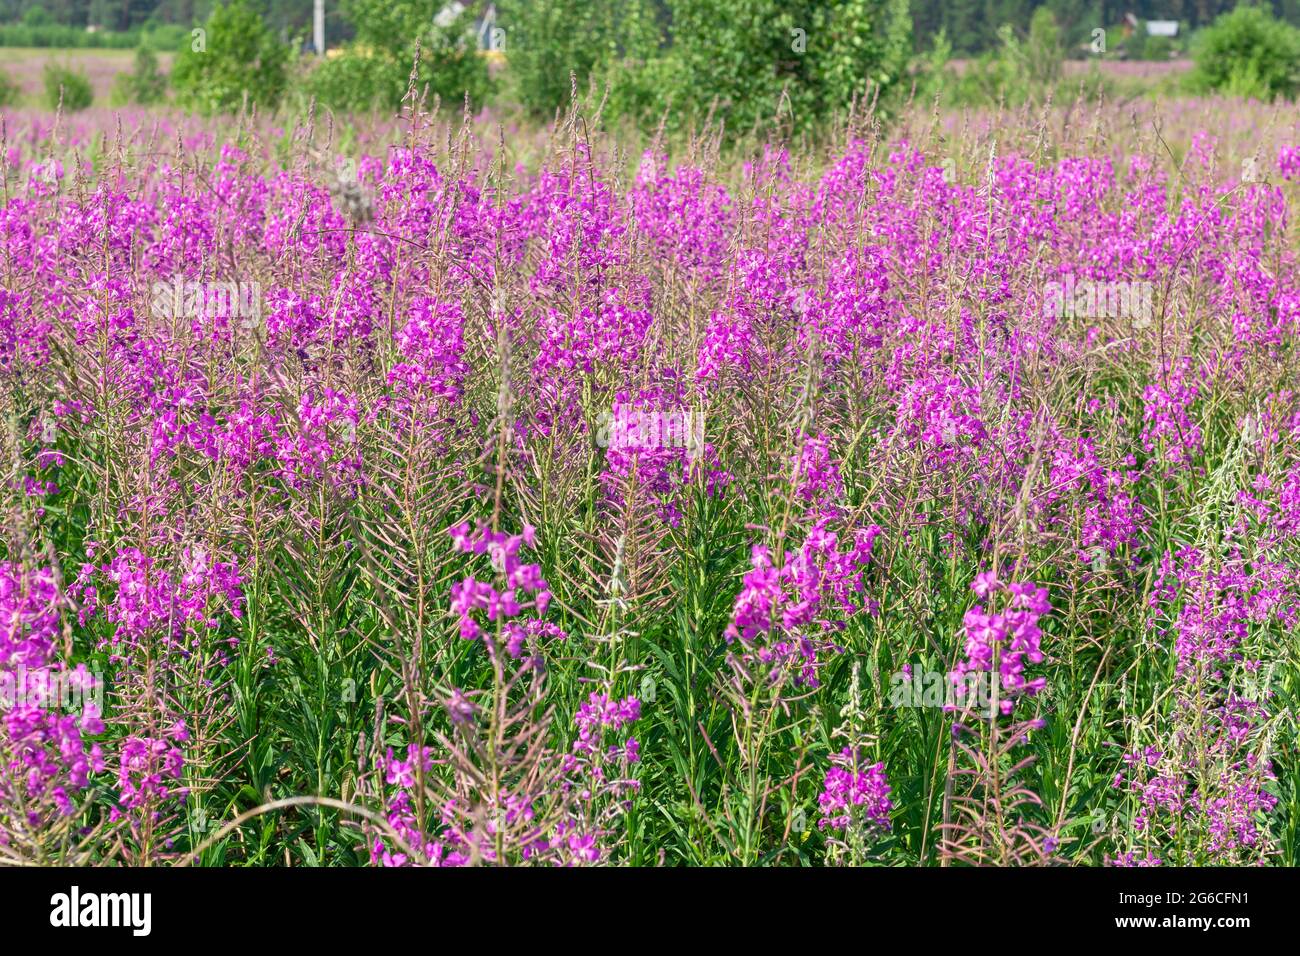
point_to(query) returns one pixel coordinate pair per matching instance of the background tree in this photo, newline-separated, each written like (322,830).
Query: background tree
(235,55)
(144,84)
(739,55)
(1248,53)
(67,88)
(548,40)
(375,69)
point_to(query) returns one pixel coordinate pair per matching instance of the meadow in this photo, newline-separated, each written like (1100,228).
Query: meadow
(435,492)
(25,65)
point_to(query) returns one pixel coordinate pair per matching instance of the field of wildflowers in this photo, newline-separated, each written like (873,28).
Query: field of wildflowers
(924,497)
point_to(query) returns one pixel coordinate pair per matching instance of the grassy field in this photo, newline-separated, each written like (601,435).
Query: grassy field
(26,66)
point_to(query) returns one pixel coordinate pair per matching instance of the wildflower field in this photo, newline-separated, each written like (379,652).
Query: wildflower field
(449,495)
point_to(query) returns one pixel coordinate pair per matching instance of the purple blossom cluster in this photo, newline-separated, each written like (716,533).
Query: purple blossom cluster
(784,613)
(1207,791)
(524,588)
(594,781)
(143,602)
(1207,797)
(854,792)
(46,757)
(1005,640)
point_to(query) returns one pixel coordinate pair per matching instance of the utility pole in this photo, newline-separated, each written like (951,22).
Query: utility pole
(318,27)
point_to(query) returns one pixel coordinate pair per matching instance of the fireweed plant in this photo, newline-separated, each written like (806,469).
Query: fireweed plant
(378,562)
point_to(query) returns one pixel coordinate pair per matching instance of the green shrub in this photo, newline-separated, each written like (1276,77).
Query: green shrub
(144,84)
(547,41)
(36,17)
(1043,53)
(162,36)
(233,54)
(1020,71)
(634,90)
(1158,48)
(930,67)
(741,55)
(1248,52)
(9,90)
(358,80)
(69,87)
(375,70)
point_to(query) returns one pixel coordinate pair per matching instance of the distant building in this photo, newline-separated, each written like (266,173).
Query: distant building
(489,37)
(1162,28)
(448,14)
